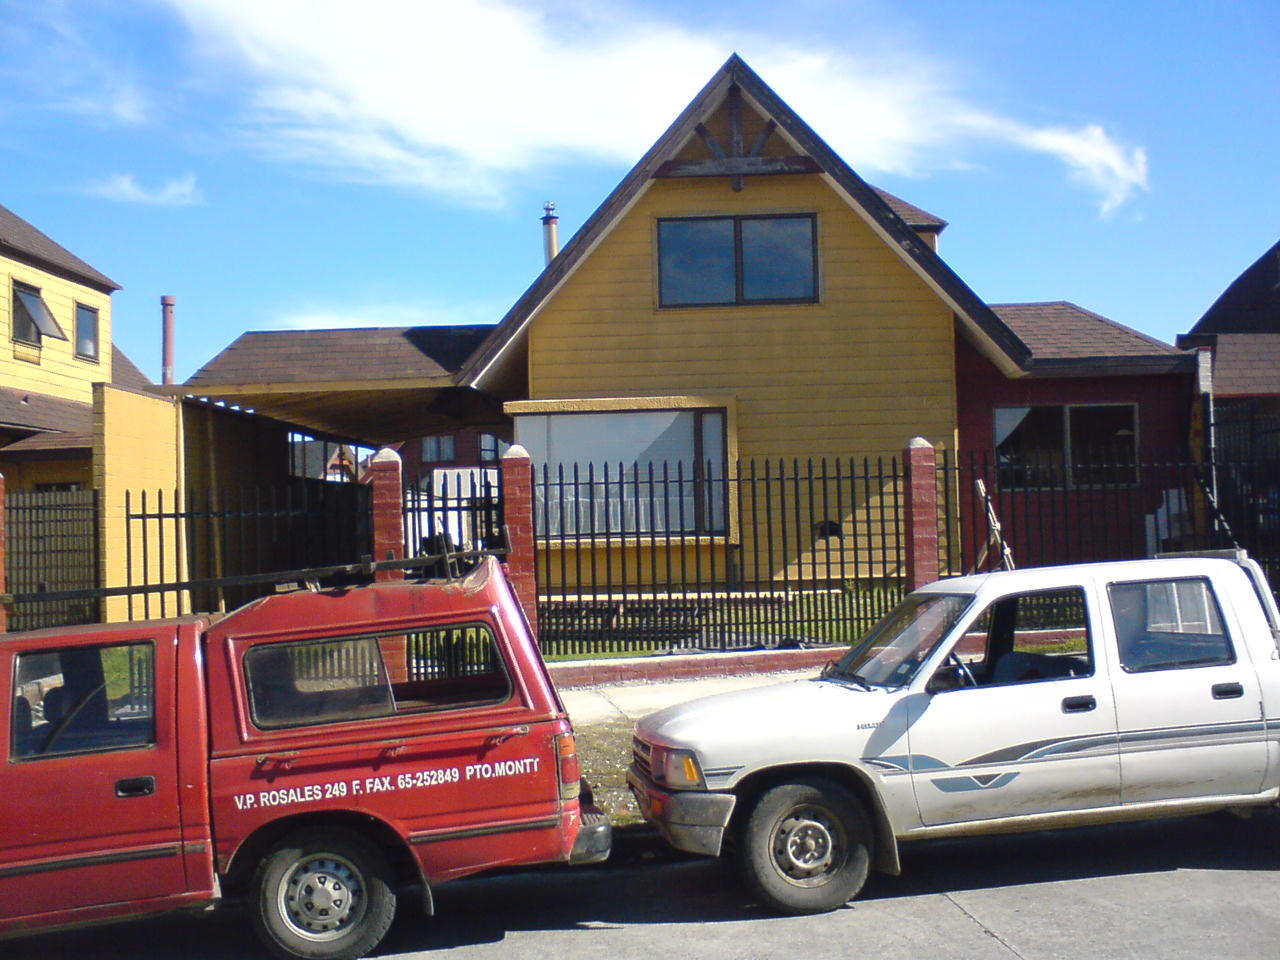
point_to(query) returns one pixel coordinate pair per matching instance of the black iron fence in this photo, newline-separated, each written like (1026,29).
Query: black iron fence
(1050,512)
(776,553)
(453,510)
(52,546)
(230,532)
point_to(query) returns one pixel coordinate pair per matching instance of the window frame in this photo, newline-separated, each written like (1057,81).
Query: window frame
(701,525)
(739,298)
(47,754)
(46,315)
(96,356)
(1211,595)
(268,727)
(438,441)
(986,666)
(1068,480)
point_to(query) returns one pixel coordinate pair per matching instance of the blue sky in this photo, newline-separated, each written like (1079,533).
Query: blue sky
(292,163)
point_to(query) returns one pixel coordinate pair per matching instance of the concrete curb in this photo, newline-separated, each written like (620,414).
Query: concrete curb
(590,673)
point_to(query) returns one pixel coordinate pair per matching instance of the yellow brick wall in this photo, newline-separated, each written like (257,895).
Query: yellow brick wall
(53,368)
(137,445)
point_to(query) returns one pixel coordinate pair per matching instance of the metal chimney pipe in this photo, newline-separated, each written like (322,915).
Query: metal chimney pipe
(550,231)
(166,367)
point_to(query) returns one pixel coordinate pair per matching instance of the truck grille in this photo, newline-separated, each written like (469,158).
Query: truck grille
(640,751)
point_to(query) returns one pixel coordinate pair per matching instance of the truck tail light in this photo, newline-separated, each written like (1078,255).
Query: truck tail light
(567,762)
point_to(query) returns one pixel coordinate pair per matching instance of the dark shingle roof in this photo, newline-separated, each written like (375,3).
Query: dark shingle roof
(24,242)
(1067,339)
(1246,364)
(125,373)
(61,424)
(318,356)
(912,216)
(1251,304)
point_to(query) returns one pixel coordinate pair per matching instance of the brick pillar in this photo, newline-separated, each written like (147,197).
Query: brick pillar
(921,513)
(517,508)
(4,611)
(388,511)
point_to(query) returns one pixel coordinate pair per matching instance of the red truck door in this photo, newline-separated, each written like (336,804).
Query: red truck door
(89,783)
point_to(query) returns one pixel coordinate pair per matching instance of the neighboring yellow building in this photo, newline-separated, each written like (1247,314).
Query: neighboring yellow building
(77,428)
(742,296)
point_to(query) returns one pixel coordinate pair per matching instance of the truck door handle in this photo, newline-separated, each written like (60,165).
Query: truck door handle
(501,736)
(1227,691)
(1078,704)
(135,787)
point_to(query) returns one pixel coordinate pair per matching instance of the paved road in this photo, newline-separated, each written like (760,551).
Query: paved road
(1195,888)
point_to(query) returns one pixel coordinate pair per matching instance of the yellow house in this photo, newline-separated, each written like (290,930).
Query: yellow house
(742,298)
(77,427)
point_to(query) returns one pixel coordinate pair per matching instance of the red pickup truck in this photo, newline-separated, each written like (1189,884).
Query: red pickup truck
(317,752)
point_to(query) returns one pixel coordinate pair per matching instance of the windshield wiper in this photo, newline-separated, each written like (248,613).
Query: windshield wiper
(834,670)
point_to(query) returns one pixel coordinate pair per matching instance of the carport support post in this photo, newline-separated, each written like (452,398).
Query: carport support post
(517,512)
(388,511)
(920,513)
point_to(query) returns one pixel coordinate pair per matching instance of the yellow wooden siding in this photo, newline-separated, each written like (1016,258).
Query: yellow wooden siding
(136,446)
(860,372)
(22,476)
(853,376)
(53,369)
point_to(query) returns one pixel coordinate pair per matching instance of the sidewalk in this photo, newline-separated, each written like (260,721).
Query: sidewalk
(631,701)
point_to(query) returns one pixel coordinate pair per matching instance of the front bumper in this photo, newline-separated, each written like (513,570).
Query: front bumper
(689,820)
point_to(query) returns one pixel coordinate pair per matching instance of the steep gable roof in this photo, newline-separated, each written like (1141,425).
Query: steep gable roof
(22,241)
(1251,304)
(1066,340)
(992,335)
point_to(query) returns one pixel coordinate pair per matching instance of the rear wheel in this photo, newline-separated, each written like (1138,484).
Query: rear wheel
(807,847)
(323,894)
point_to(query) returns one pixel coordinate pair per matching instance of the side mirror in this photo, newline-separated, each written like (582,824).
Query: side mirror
(946,677)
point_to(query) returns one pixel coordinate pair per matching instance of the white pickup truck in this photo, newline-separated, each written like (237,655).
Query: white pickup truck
(1004,702)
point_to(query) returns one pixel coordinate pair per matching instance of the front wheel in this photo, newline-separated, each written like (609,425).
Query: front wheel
(807,847)
(323,894)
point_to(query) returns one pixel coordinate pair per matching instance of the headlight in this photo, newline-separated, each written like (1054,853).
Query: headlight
(676,768)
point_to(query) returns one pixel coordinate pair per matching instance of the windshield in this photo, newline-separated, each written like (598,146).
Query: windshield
(892,651)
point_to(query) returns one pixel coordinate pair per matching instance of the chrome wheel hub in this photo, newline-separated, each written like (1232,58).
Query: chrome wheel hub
(322,897)
(807,846)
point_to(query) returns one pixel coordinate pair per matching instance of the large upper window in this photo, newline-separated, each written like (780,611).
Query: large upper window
(640,471)
(31,317)
(1056,446)
(704,261)
(1168,624)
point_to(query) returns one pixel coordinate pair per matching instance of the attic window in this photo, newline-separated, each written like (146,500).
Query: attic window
(718,261)
(31,318)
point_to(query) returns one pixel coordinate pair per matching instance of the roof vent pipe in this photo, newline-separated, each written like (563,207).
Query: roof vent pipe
(550,233)
(166,364)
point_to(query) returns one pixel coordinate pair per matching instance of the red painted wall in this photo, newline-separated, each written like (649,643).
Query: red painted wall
(1062,526)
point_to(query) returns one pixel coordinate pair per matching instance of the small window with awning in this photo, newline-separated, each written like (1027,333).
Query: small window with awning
(32,319)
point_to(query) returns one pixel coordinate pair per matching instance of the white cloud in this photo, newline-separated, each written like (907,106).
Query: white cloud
(464,97)
(124,188)
(63,66)
(386,314)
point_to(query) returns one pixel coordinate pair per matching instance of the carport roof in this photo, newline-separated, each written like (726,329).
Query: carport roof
(371,385)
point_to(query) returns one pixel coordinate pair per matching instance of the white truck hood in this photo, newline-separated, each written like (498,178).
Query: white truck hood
(735,733)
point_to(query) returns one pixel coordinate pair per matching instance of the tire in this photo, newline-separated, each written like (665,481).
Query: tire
(806,847)
(323,894)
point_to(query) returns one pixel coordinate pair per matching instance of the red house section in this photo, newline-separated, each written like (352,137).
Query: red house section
(1080,505)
